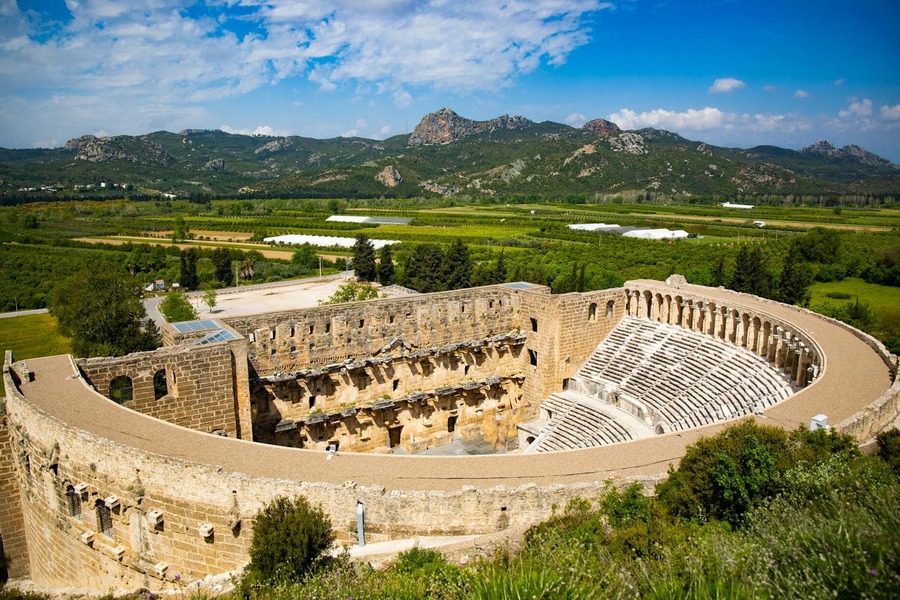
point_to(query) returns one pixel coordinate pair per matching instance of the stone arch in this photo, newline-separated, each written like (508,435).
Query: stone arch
(679,311)
(610,309)
(160,385)
(592,312)
(647,309)
(121,389)
(658,307)
(755,328)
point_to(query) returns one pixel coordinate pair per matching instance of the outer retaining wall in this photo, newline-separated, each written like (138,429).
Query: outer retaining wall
(206,488)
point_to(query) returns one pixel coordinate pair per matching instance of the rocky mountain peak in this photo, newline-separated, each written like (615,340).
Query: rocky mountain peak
(79,143)
(602,127)
(851,152)
(445,126)
(821,148)
(132,149)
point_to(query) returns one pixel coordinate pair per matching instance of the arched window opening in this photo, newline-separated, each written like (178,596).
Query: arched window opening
(121,389)
(104,519)
(160,387)
(592,312)
(73,502)
(610,309)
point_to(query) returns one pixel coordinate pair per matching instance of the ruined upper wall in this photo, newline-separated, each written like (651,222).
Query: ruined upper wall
(199,387)
(286,341)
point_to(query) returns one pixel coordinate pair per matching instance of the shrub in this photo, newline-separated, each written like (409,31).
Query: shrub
(722,477)
(289,536)
(839,295)
(889,448)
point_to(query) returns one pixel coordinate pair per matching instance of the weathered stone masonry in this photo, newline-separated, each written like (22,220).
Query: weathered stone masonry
(113,498)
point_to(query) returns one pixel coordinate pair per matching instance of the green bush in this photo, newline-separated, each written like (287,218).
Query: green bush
(724,476)
(289,537)
(889,448)
(838,295)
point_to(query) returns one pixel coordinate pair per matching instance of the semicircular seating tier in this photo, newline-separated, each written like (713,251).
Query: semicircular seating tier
(648,378)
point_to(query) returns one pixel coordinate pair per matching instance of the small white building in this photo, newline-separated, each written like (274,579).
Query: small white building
(656,234)
(742,206)
(592,227)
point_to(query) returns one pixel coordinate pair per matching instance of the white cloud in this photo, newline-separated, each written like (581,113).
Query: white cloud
(839,82)
(770,88)
(402,98)
(890,113)
(122,53)
(689,120)
(717,126)
(261,130)
(384,131)
(857,108)
(350,133)
(726,85)
(575,119)
(801,94)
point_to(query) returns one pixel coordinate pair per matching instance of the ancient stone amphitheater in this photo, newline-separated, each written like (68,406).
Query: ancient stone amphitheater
(146,470)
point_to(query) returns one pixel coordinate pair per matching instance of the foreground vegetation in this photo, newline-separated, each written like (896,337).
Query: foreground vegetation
(753,512)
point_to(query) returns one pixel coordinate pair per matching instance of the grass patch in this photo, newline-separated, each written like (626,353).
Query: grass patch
(31,336)
(839,293)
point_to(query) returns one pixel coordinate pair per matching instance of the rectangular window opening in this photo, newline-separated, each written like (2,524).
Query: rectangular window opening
(104,519)
(533,324)
(532,357)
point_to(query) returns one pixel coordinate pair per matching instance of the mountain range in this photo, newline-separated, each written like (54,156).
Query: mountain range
(445,154)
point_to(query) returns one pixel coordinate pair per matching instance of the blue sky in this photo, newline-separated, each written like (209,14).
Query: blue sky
(734,73)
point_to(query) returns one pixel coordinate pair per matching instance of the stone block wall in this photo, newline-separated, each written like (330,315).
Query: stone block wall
(199,380)
(562,332)
(287,341)
(159,507)
(12,527)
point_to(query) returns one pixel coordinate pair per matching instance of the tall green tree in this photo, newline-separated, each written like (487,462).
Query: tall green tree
(457,267)
(719,275)
(761,282)
(385,265)
(795,279)
(423,268)
(175,307)
(222,261)
(101,310)
(188,277)
(740,277)
(364,258)
(500,268)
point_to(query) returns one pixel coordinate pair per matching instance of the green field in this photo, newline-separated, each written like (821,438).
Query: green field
(31,336)
(878,296)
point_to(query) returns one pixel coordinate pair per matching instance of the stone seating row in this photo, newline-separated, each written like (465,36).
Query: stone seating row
(686,379)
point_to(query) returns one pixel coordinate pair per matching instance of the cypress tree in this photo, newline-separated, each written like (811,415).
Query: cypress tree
(222,260)
(188,278)
(795,279)
(500,269)
(364,258)
(760,279)
(740,278)
(385,266)
(719,276)
(457,267)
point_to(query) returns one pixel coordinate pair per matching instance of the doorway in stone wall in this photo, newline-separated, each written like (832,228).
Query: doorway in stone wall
(394,436)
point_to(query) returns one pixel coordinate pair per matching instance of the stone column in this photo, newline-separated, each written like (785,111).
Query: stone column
(739,330)
(802,362)
(751,335)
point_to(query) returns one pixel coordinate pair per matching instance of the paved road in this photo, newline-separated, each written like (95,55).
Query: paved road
(152,304)
(19,313)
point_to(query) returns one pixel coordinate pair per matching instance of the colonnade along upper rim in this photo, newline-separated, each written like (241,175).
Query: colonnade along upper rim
(162,490)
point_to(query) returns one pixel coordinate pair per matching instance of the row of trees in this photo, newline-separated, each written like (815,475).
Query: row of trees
(366,267)
(751,275)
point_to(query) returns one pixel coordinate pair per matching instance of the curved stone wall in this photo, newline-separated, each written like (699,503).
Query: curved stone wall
(114,498)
